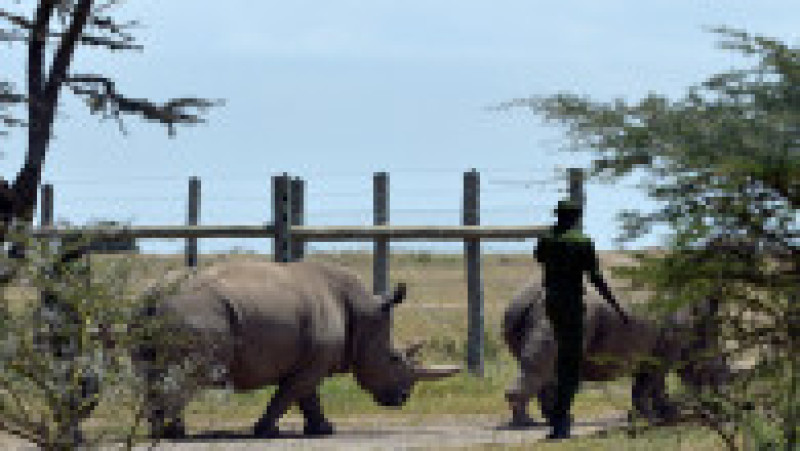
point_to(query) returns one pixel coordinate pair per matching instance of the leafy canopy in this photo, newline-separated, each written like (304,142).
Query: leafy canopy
(724,163)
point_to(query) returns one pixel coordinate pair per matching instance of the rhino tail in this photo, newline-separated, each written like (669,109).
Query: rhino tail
(515,324)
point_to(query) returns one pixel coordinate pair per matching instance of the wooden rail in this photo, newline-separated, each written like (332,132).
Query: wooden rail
(308,233)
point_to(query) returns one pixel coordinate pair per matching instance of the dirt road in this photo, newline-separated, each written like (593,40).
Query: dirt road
(368,434)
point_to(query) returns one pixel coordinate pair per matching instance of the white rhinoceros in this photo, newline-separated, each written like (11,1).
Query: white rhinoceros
(254,324)
(644,348)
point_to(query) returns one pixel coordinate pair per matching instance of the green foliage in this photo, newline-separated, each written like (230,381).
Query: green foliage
(66,345)
(725,167)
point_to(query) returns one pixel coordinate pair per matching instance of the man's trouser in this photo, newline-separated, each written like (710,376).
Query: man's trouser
(566,317)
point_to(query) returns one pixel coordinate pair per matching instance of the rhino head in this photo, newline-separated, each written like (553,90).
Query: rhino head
(386,372)
(695,345)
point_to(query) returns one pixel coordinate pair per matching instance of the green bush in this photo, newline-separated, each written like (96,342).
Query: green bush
(66,345)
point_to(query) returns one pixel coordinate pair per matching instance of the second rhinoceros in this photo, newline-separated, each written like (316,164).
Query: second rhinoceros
(644,348)
(287,324)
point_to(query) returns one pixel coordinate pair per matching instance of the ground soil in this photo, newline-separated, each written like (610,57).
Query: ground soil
(439,432)
(367,433)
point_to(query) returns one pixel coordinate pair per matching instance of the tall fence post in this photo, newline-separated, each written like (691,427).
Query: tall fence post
(281,217)
(46,213)
(380,214)
(576,189)
(192,219)
(472,251)
(297,206)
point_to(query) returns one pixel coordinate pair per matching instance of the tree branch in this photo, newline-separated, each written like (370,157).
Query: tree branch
(36,44)
(9,97)
(102,97)
(119,38)
(63,56)
(17,20)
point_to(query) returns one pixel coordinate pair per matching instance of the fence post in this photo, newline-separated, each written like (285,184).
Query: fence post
(46,218)
(576,189)
(297,206)
(380,215)
(192,219)
(281,211)
(472,251)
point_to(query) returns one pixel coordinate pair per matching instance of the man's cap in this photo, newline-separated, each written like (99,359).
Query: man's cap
(566,205)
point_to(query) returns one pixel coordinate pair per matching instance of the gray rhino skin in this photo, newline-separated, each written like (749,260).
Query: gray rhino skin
(612,349)
(291,324)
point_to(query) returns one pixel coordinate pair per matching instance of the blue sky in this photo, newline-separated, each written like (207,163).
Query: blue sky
(335,90)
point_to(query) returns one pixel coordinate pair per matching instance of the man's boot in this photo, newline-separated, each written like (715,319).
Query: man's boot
(560,425)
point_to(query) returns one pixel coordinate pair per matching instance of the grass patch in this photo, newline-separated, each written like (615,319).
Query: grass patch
(462,394)
(657,439)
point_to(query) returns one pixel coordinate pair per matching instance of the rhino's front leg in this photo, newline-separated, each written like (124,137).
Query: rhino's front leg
(164,410)
(315,421)
(650,398)
(267,425)
(294,389)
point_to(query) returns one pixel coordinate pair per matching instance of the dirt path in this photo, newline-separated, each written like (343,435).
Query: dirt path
(367,434)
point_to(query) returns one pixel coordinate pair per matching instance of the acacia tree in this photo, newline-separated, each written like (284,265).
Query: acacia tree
(47,389)
(724,165)
(54,30)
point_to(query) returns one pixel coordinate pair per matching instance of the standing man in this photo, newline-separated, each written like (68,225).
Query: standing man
(566,254)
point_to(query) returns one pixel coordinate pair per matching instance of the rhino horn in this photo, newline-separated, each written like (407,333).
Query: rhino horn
(435,372)
(413,349)
(396,297)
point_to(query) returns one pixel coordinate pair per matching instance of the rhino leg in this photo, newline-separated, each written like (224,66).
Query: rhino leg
(315,421)
(641,391)
(649,396)
(665,410)
(164,414)
(518,396)
(166,428)
(547,400)
(536,365)
(299,386)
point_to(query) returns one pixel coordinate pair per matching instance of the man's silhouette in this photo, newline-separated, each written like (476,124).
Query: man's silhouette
(566,254)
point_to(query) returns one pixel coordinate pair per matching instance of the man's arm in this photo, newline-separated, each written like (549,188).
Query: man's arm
(597,279)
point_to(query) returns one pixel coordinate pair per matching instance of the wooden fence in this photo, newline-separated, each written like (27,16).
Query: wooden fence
(290,235)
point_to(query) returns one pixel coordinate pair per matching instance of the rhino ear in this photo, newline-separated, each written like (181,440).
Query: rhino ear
(396,297)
